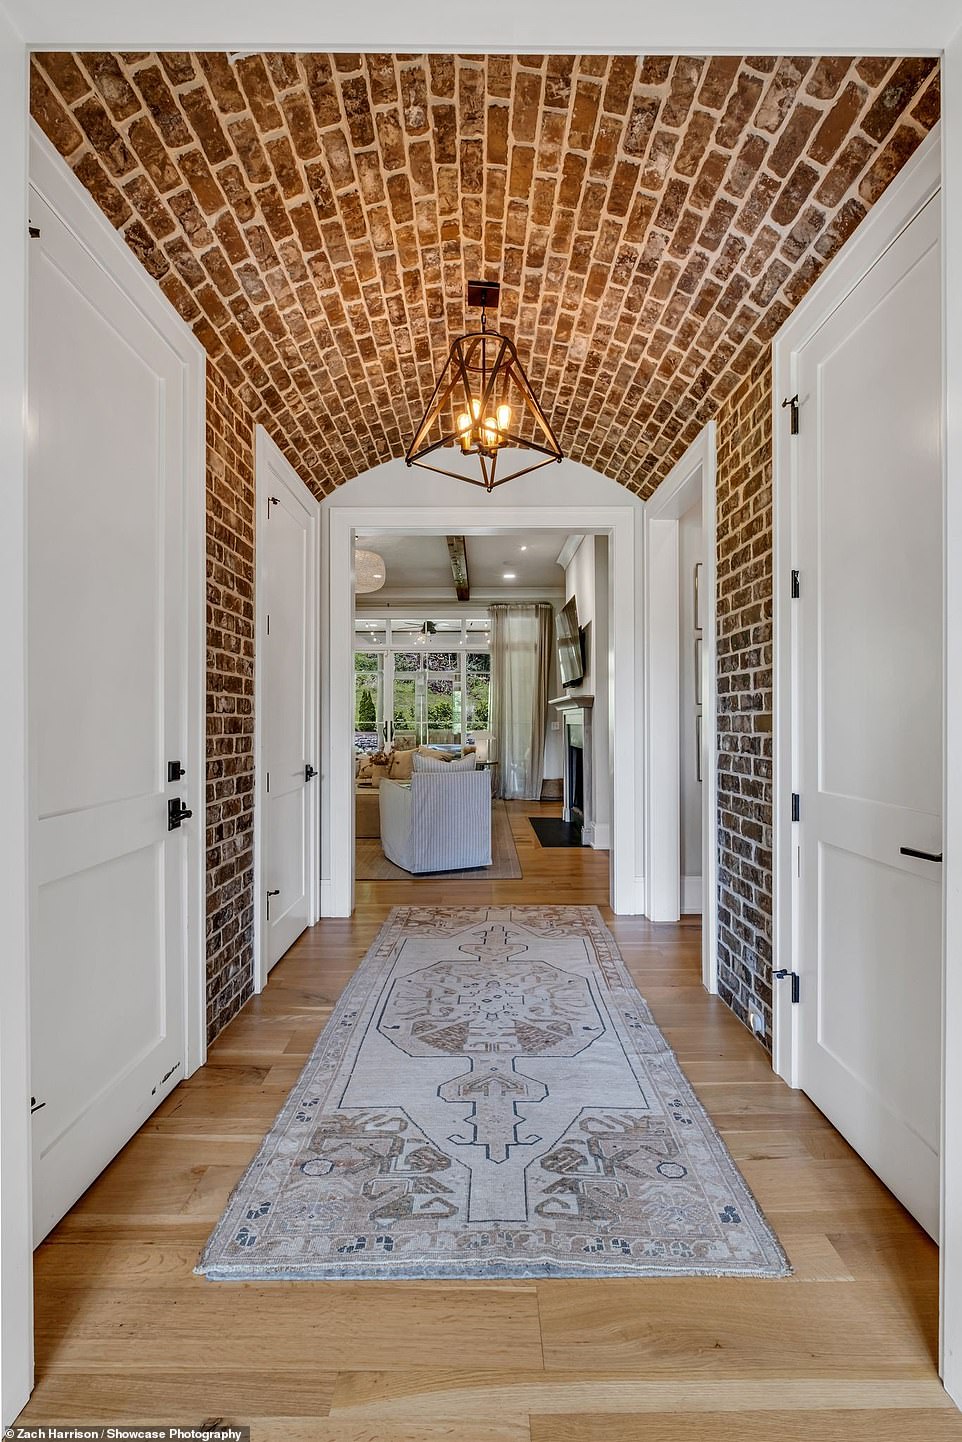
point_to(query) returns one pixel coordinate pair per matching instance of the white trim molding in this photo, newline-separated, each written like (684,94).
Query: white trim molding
(692,901)
(693,478)
(623,525)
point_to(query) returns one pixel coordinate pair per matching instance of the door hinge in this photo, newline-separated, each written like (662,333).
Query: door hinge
(175,772)
(309,772)
(268,623)
(276,892)
(272,501)
(796,586)
(796,982)
(796,806)
(33,231)
(792,402)
(268,782)
(35,1105)
(166,1077)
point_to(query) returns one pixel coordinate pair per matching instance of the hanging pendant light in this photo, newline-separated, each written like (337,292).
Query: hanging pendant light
(481,402)
(369,572)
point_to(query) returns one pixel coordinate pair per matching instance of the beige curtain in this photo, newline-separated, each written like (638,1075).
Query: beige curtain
(521,641)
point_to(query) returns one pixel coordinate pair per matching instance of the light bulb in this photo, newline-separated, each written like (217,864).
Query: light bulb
(476,408)
(464,421)
(504,417)
(491,437)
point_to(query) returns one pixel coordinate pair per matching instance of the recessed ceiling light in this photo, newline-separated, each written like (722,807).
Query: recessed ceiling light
(524,548)
(509,576)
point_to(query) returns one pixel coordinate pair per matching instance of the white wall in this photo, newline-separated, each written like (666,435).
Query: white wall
(16,1297)
(690,548)
(586,579)
(951,1250)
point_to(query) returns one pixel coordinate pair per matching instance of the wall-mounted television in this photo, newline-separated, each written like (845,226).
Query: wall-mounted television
(571,655)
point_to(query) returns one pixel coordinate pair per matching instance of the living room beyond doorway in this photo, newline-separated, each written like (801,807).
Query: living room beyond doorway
(473,655)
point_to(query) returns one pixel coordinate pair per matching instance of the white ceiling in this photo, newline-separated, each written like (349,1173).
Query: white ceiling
(419,565)
(820,26)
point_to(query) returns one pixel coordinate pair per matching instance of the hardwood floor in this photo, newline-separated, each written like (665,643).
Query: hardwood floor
(844,1349)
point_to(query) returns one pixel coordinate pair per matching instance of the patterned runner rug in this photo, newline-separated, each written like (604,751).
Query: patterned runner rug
(491,1099)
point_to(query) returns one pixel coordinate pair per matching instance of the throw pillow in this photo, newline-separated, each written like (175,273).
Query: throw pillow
(464,763)
(435,754)
(424,762)
(401,765)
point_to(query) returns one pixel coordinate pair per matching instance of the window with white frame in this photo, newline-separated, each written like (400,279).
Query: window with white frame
(421,680)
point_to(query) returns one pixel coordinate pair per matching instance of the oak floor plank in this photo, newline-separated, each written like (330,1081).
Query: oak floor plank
(847,1426)
(844,1348)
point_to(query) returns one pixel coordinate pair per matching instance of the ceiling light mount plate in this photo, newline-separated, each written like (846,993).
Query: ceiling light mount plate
(484,294)
(483,403)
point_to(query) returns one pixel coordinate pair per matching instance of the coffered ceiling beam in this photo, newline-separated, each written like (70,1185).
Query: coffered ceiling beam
(459,567)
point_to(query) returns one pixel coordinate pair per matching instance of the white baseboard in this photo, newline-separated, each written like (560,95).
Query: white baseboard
(327,900)
(601,836)
(634,904)
(691,895)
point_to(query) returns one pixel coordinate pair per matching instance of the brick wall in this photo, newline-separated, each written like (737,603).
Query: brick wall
(230,702)
(744,498)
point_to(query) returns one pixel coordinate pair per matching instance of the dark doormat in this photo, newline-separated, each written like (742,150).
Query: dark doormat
(552,831)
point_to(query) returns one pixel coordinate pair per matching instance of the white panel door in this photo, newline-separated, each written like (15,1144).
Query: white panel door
(870,709)
(107,712)
(287,550)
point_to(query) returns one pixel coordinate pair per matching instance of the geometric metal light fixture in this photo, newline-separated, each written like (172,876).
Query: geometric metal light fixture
(369,572)
(480,403)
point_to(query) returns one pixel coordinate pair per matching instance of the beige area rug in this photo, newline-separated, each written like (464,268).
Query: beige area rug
(371,864)
(491,1098)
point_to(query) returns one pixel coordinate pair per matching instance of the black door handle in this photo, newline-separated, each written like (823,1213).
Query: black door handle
(309,772)
(176,813)
(921,855)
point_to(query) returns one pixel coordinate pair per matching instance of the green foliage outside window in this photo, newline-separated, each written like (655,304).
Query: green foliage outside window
(366,717)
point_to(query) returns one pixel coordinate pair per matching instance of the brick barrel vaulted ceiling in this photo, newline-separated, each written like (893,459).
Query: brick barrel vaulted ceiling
(315,218)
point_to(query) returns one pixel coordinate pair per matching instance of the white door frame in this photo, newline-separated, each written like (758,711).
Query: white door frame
(691,479)
(627,885)
(914,186)
(270,462)
(52,178)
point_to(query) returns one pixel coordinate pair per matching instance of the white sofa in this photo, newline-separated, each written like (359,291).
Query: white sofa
(440,821)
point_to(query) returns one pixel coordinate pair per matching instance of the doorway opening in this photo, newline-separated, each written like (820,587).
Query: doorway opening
(456,668)
(435,708)
(681,759)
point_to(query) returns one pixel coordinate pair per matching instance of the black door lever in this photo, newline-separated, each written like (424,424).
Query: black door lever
(921,855)
(176,813)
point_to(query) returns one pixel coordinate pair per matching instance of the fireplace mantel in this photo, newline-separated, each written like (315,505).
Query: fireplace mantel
(571,701)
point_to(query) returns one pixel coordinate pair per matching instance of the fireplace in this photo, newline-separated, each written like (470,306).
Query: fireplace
(576,712)
(575,769)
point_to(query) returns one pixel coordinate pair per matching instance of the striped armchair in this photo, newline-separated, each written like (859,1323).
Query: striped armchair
(441,821)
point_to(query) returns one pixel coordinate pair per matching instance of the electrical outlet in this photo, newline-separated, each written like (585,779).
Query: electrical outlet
(757,1021)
